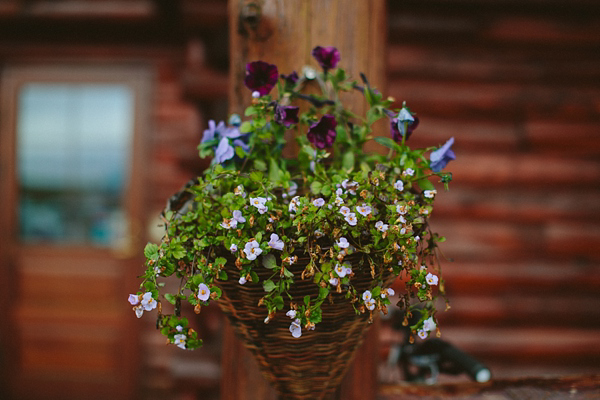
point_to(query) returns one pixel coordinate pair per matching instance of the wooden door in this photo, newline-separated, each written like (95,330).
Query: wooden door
(71,205)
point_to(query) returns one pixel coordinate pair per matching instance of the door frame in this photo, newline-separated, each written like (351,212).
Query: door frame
(137,76)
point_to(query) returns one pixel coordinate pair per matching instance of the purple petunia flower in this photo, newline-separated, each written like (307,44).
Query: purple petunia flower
(286,115)
(322,134)
(218,131)
(261,77)
(403,121)
(440,157)
(327,57)
(224,151)
(290,79)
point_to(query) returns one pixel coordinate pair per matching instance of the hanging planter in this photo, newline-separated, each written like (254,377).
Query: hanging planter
(301,253)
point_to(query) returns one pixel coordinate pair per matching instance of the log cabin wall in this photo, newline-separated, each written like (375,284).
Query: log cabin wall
(515,82)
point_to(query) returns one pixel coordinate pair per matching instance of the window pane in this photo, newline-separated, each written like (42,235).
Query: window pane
(74,141)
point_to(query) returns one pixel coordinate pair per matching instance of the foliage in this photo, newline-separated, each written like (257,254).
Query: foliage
(254,208)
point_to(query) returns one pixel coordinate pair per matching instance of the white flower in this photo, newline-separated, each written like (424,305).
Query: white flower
(203,292)
(267,319)
(239,191)
(423,268)
(229,223)
(381,226)
(148,302)
(256,94)
(387,292)
(431,279)
(422,334)
(252,250)
(319,234)
(417,238)
(262,209)
(296,329)
(242,280)
(319,202)
(343,243)
(258,202)
(364,210)
(179,328)
(401,209)
(333,281)
(339,192)
(367,295)
(350,186)
(179,340)
(340,270)
(430,194)
(339,201)
(370,304)
(401,219)
(345,211)
(351,219)
(139,311)
(133,299)
(291,260)
(409,172)
(429,325)
(293,207)
(237,216)
(291,314)
(275,242)
(399,185)
(233,248)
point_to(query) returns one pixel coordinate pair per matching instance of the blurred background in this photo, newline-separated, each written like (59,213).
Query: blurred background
(102,105)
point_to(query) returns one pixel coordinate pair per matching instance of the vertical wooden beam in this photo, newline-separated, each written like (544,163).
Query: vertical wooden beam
(284,32)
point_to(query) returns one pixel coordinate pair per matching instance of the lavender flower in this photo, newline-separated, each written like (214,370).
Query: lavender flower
(322,134)
(286,115)
(261,77)
(442,156)
(327,57)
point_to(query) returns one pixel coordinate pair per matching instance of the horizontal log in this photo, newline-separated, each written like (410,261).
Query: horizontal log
(63,9)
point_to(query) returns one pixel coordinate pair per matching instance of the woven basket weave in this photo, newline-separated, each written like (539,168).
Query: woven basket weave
(309,367)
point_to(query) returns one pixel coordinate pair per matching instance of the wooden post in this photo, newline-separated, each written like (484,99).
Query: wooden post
(283,32)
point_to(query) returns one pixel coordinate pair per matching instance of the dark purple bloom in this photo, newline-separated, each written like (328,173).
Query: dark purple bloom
(397,134)
(261,77)
(322,134)
(327,57)
(440,157)
(290,79)
(286,115)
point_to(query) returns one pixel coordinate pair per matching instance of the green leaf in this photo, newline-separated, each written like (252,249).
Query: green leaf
(239,151)
(425,184)
(387,142)
(307,300)
(274,172)
(256,176)
(278,301)
(258,237)
(348,160)
(269,261)
(315,187)
(170,298)
(288,273)
(254,276)
(260,165)
(151,250)
(217,290)
(246,127)
(250,111)
(223,275)
(268,285)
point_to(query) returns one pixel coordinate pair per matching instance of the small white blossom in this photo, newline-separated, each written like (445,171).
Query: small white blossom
(417,238)
(430,194)
(339,192)
(339,201)
(351,219)
(267,320)
(429,325)
(423,267)
(239,191)
(291,314)
(291,260)
(293,207)
(367,295)
(233,248)
(401,219)
(333,281)
(203,292)
(179,340)
(387,292)
(348,268)
(401,209)
(409,172)
(293,189)
(275,242)
(258,201)
(179,328)
(350,186)
(237,216)
(139,311)
(370,304)
(133,299)
(345,211)
(319,234)
(364,210)
(381,226)
(256,94)
(422,334)
(431,279)
(399,185)
(296,329)
(319,202)
(229,223)
(148,302)
(343,243)
(252,250)
(242,280)
(340,270)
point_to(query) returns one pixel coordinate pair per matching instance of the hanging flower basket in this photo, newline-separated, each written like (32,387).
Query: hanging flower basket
(301,253)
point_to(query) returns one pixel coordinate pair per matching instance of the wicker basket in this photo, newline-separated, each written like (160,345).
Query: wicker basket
(309,367)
